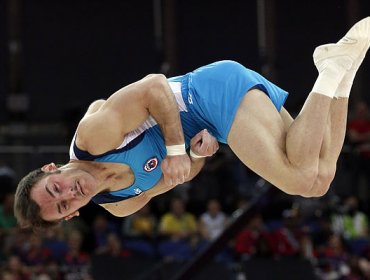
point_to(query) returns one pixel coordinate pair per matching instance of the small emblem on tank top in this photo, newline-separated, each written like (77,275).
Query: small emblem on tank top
(190,99)
(138,191)
(151,164)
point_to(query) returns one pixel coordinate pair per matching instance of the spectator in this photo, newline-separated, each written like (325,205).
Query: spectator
(287,238)
(178,229)
(142,224)
(140,232)
(334,259)
(351,222)
(55,242)
(358,133)
(15,269)
(254,239)
(113,247)
(75,264)
(14,244)
(364,262)
(178,224)
(306,247)
(35,254)
(213,221)
(7,180)
(7,219)
(6,274)
(101,228)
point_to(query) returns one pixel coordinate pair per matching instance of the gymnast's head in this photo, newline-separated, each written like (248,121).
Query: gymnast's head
(48,195)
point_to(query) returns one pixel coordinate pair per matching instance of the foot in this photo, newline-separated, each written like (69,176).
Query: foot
(348,52)
(360,30)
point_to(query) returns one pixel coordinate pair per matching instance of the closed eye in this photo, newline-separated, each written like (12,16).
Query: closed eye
(56,188)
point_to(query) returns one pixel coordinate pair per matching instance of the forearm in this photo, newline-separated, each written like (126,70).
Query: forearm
(163,107)
(196,166)
(127,207)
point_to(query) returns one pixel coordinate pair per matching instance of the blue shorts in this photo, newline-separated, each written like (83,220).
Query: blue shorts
(213,93)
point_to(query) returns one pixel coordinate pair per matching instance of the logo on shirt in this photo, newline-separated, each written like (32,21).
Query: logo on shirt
(190,98)
(151,164)
(137,191)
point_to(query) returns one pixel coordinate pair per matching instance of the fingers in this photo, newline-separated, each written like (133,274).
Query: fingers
(176,169)
(197,138)
(171,180)
(209,144)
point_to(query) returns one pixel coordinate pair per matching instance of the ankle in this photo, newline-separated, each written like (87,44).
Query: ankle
(328,80)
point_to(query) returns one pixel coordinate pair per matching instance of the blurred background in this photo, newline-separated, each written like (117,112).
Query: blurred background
(56,57)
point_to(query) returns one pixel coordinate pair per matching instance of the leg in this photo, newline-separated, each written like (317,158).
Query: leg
(301,160)
(261,142)
(298,160)
(332,143)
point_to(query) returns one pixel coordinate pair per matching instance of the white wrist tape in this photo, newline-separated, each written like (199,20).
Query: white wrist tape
(194,155)
(176,150)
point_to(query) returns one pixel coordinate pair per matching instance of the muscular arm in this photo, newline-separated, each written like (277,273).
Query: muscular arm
(126,110)
(202,144)
(129,206)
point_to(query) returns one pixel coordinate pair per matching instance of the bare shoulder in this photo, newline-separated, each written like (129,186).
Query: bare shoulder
(94,106)
(106,123)
(98,133)
(95,128)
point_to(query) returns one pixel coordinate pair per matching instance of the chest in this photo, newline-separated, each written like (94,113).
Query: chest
(142,157)
(118,176)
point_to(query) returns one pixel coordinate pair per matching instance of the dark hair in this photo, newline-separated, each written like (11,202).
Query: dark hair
(26,210)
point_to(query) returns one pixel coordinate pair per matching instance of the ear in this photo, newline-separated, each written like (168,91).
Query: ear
(50,167)
(70,216)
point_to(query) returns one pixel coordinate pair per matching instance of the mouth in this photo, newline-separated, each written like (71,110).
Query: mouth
(79,188)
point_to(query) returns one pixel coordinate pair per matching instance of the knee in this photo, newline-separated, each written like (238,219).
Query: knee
(307,181)
(323,181)
(303,183)
(325,178)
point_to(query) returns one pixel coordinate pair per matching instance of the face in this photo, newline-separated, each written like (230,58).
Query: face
(61,194)
(178,207)
(213,207)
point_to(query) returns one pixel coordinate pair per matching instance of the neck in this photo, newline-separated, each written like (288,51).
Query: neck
(96,169)
(108,176)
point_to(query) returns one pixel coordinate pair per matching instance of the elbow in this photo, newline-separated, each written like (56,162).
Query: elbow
(95,105)
(157,81)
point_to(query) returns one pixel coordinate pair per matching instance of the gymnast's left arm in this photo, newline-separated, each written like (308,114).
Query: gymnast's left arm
(126,110)
(202,145)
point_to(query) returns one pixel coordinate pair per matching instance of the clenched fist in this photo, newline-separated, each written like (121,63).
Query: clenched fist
(204,144)
(176,169)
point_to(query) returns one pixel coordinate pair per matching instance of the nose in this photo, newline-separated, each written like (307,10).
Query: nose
(70,193)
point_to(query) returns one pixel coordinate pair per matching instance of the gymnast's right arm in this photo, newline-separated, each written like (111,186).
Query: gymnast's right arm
(129,206)
(202,144)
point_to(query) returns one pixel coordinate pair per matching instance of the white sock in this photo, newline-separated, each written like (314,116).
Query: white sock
(329,79)
(344,88)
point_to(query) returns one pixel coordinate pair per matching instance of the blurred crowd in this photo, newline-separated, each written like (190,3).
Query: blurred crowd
(332,232)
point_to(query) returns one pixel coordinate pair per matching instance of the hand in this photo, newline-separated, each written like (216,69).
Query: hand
(176,169)
(204,144)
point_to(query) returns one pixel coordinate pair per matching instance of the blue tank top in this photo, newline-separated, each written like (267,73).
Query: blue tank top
(207,98)
(142,150)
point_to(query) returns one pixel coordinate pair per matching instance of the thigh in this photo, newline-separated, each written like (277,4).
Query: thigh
(286,118)
(258,138)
